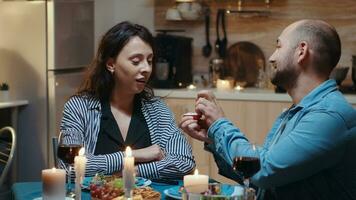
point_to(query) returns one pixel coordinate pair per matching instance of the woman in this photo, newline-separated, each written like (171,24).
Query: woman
(115,108)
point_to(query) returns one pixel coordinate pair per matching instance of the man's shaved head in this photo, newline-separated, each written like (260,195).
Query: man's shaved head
(322,39)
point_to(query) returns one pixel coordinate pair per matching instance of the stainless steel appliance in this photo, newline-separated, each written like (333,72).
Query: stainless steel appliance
(173,68)
(353,72)
(70,50)
(44,48)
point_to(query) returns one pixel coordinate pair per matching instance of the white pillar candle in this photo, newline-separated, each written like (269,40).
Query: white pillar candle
(79,167)
(53,184)
(223,84)
(128,173)
(196,183)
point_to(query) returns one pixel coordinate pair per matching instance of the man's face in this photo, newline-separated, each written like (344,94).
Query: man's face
(284,72)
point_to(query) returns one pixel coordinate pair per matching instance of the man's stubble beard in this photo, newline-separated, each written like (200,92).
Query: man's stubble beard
(286,77)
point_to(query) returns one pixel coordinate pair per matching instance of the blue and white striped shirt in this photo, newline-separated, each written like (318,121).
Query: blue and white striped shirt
(81,122)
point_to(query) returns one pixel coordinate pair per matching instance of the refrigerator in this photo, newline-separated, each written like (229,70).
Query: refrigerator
(71,49)
(45,49)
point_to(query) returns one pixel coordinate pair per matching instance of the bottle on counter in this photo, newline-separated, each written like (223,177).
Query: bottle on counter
(216,70)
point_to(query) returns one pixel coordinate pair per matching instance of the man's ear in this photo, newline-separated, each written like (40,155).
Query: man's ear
(303,51)
(110,65)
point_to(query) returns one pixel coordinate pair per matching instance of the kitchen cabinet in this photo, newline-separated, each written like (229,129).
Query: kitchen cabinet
(254,118)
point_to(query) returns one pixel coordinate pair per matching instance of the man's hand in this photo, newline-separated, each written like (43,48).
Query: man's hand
(195,129)
(148,154)
(208,107)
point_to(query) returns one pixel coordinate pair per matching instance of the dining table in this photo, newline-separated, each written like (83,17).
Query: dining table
(33,190)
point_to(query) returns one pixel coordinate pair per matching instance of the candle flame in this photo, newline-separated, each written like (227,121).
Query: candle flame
(191,87)
(81,151)
(53,169)
(128,152)
(196,172)
(239,88)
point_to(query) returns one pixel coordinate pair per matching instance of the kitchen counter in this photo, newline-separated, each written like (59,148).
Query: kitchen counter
(13,103)
(248,94)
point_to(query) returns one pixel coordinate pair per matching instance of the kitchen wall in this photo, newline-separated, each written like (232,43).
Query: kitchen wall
(264,31)
(23,66)
(110,12)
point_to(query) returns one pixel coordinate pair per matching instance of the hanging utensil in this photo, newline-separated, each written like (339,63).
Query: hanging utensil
(207,47)
(220,44)
(217,42)
(223,42)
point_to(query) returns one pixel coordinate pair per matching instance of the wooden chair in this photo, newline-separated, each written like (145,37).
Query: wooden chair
(7,149)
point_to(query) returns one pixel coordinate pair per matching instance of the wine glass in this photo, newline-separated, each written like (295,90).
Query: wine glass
(67,150)
(247,161)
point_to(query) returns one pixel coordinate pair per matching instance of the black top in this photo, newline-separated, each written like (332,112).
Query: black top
(110,139)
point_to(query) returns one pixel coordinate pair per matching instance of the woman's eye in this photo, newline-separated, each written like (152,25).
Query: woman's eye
(135,62)
(149,62)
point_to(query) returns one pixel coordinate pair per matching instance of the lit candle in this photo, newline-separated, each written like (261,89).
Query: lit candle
(191,87)
(53,183)
(196,183)
(128,173)
(223,84)
(79,167)
(239,88)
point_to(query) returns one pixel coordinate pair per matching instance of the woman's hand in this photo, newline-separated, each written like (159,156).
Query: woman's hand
(148,154)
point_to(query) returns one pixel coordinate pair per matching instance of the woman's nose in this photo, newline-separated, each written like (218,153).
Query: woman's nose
(146,67)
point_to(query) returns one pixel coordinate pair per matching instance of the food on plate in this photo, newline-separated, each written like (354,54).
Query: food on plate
(147,193)
(111,188)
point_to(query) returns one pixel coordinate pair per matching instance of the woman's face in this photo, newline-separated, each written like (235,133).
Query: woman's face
(132,67)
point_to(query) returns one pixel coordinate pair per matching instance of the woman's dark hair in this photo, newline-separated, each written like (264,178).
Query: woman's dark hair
(99,82)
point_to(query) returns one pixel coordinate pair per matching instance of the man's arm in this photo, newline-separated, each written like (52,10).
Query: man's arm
(309,148)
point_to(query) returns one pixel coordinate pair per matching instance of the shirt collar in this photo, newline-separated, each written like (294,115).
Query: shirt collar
(94,104)
(318,93)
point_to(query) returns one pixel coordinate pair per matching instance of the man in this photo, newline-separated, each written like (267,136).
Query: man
(310,152)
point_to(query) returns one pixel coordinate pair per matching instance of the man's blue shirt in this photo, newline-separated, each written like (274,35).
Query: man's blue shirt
(310,151)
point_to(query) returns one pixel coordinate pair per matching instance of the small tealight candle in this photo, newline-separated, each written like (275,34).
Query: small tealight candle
(79,167)
(223,84)
(128,173)
(53,183)
(191,87)
(196,183)
(239,88)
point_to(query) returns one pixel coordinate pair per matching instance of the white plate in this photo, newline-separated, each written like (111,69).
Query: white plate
(226,190)
(40,198)
(173,192)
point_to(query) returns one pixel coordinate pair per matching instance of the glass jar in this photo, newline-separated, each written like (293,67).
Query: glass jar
(216,69)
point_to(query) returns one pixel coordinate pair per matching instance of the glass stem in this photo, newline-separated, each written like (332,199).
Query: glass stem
(247,182)
(69,179)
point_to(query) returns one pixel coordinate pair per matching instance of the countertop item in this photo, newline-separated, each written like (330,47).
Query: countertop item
(13,103)
(244,61)
(247,94)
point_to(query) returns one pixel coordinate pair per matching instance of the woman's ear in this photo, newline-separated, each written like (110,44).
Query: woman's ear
(110,65)
(303,51)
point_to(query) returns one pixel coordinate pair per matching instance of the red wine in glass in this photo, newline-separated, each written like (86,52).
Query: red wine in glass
(68,152)
(246,166)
